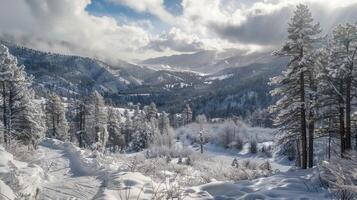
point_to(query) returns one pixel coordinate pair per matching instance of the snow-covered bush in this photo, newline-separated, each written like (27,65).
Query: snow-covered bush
(163,151)
(340,176)
(253,146)
(266,150)
(229,134)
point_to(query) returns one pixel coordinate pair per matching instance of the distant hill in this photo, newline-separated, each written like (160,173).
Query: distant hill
(236,89)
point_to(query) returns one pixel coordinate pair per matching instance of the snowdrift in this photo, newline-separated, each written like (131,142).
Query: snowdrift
(20,177)
(83,163)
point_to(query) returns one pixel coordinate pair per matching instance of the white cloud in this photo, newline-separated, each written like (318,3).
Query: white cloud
(66,27)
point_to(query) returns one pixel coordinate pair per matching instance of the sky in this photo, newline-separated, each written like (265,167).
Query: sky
(134,30)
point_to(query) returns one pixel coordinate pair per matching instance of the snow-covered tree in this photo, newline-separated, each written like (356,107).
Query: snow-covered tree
(293,84)
(127,128)
(151,111)
(32,124)
(187,115)
(165,129)
(17,101)
(201,119)
(81,110)
(57,125)
(343,56)
(116,138)
(140,132)
(97,121)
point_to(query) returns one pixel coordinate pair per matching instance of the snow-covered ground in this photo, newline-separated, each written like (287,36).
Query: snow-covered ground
(61,170)
(65,180)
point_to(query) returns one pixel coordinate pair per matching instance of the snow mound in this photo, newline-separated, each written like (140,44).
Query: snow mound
(130,185)
(23,178)
(6,192)
(83,163)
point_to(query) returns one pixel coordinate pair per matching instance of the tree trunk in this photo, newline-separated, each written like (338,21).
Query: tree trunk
(342,120)
(303,122)
(311,120)
(53,125)
(311,127)
(298,154)
(329,145)
(348,114)
(10,113)
(4,112)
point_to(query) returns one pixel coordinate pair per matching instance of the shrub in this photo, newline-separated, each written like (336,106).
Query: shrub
(266,151)
(253,148)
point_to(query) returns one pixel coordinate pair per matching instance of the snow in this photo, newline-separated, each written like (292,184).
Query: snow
(221,77)
(22,177)
(298,184)
(65,171)
(132,185)
(6,192)
(66,179)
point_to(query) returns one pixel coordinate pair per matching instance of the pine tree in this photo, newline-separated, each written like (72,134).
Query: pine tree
(32,124)
(328,98)
(293,83)
(165,130)
(97,121)
(343,55)
(187,115)
(201,119)
(140,132)
(116,138)
(127,128)
(151,111)
(57,125)
(17,101)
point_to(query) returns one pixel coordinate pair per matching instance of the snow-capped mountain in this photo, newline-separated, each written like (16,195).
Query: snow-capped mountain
(208,62)
(74,73)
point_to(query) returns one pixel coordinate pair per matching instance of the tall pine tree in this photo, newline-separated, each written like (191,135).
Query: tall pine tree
(292,85)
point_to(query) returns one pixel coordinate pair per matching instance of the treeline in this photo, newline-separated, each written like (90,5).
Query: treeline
(87,121)
(318,87)
(93,124)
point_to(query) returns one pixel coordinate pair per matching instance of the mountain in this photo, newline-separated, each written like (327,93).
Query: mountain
(74,74)
(194,62)
(231,91)
(238,88)
(208,62)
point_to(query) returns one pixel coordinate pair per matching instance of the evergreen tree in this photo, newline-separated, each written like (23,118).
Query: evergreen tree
(17,101)
(293,83)
(57,125)
(201,119)
(97,121)
(343,55)
(187,115)
(165,130)
(32,124)
(151,111)
(116,138)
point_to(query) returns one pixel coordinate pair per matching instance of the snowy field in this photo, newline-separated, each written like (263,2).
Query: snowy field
(60,170)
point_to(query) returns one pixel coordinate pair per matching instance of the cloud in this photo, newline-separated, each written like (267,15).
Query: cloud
(257,23)
(65,27)
(176,40)
(154,7)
